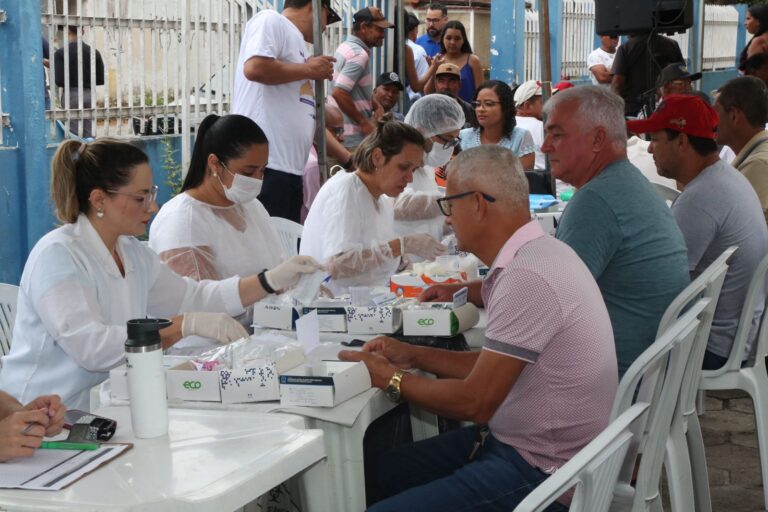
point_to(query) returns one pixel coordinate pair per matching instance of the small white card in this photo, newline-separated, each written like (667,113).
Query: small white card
(308,331)
(460,297)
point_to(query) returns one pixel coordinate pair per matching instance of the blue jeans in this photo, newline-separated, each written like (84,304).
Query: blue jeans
(436,474)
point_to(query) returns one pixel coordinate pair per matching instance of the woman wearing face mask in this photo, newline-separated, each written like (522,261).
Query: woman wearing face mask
(216,228)
(438,118)
(350,226)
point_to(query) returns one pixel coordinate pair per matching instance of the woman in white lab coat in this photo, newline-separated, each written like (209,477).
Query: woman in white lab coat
(216,228)
(350,226)
(85,279)
(439,119)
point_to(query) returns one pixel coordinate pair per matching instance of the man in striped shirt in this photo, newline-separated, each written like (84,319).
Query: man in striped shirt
(352,87)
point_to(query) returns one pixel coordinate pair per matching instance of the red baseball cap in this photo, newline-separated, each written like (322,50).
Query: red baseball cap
(561,86)
(681,113)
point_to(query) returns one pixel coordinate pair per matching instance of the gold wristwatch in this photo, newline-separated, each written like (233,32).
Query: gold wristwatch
(393,388)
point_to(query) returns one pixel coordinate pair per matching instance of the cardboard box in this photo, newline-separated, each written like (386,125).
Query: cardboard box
(439,319)
(118,377)
(326,384)
(411,284)
(274,316)
(254,384)
(374,319)
(331,314)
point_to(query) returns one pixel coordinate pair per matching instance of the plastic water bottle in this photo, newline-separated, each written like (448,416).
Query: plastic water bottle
(146,377)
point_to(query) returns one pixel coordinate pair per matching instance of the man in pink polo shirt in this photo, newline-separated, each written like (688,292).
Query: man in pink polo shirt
(545,380)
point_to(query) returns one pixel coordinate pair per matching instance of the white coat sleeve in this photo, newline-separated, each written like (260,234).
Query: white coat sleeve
(67,302)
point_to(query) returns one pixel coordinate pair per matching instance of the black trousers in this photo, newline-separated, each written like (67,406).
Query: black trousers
(282,194)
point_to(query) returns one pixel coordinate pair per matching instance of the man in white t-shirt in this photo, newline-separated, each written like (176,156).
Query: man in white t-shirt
(274,86)
(600,61)
(529,103)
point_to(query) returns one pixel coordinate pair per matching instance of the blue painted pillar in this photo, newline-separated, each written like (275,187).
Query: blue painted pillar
(741,35)
(508,41)
(24,100)
(693,44)
(555,38)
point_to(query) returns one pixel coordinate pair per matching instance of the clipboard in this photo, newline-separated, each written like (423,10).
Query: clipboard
(53,470)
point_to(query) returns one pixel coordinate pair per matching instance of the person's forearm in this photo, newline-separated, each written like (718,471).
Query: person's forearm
(336,149)
(8,405)
(251,290)
(171,334)
(347,105)
(444,363)
(274,72)
(448,398)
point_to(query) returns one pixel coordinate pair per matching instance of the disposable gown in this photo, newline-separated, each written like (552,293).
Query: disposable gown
(349,230)
(416,209)
(202,241)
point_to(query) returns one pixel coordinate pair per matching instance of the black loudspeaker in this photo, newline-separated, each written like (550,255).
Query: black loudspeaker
(625,17)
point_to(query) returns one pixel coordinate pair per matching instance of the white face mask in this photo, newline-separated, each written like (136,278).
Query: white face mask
(439,156)
(243,189)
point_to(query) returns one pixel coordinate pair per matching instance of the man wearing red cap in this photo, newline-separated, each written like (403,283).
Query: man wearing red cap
(717,209)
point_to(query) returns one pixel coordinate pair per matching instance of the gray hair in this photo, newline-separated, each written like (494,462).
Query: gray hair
(598,106)
(494,170)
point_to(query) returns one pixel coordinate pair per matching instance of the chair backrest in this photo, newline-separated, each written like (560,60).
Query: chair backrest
(756,294)
(290,233)
(654,378)
(8,296)
(593,471)
(706,286)
(669,194)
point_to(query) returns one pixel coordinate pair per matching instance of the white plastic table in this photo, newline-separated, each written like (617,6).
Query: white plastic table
(208,461)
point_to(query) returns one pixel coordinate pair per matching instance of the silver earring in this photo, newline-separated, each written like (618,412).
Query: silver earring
(100,213)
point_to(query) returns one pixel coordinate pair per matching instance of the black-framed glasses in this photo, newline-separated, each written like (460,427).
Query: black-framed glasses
(149,197)
(485,104)
(445,202)
(449,143)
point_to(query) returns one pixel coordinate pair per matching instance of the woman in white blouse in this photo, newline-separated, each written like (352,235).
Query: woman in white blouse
(85,279)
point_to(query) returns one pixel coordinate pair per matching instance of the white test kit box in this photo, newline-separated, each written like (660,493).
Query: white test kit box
(118,377)
(374,319)
(324,385)
(439,319)
(258,383)
(331,314)
(274,316)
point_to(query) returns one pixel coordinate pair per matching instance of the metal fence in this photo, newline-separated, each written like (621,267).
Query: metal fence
(166,63)
(721,28)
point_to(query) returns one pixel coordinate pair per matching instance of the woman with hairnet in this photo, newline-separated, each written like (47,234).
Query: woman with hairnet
(350,226)
(438,118)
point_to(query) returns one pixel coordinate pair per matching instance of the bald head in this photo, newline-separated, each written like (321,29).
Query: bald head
(333,116)
(494,170)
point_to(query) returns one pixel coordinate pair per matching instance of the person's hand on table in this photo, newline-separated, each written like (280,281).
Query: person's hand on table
(378,367)
(440,293)
(52,406)
(21,433)
(396,352)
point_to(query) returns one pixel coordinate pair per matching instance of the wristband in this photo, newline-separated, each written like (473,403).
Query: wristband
(264,283)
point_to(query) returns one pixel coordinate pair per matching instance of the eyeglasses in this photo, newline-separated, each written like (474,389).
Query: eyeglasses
(147,197)
(445,202)
(433,21)
(485,104)
(449,143)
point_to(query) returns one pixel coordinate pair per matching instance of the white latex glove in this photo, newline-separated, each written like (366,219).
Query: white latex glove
(218,326)
(287,274)
(423,245)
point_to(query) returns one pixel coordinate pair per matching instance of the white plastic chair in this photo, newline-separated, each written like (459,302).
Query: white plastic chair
(8,297)
(654,378)
(593,471)
(669,194)
(751,378)
(290,233)
(685,445)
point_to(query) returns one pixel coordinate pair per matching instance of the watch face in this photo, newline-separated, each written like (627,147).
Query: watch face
(392,393)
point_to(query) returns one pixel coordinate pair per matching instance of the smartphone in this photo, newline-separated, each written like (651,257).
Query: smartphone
(85,426)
